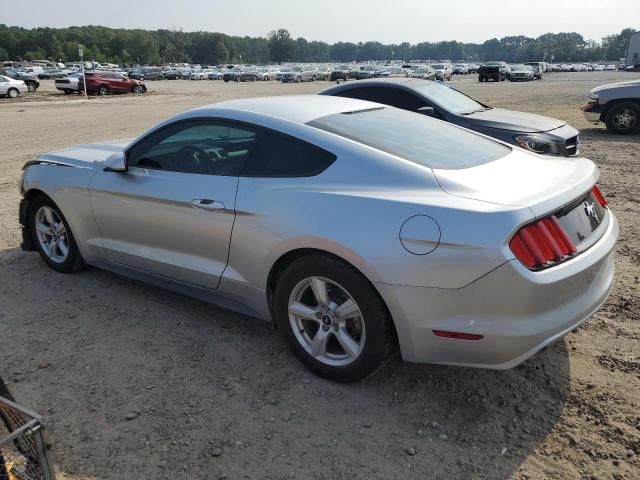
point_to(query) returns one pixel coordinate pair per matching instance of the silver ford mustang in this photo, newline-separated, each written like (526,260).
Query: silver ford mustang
(356,227)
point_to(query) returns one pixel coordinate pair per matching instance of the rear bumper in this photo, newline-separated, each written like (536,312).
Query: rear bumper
(518,312)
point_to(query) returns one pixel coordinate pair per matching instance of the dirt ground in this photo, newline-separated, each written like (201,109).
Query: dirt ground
(139,383)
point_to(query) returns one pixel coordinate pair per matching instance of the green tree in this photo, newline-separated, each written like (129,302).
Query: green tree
(281,45)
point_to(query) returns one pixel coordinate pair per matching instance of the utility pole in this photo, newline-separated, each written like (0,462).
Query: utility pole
(84,80)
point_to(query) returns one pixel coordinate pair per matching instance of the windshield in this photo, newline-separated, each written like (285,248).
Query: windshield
(426,141)
(438,66)
(448,98)
(522,67)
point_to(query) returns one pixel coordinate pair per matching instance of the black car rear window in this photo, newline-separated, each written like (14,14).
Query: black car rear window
(414,137)
(281,156)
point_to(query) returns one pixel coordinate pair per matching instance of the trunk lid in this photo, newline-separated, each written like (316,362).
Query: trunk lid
(543,184)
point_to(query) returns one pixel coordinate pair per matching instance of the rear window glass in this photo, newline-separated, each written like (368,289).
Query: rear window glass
(279,156)
(414,137)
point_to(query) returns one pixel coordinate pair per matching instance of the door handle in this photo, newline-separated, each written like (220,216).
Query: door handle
(207,204)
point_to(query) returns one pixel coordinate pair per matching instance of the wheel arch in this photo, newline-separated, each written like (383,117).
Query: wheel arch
(25,206)
(612,103)
(291,256)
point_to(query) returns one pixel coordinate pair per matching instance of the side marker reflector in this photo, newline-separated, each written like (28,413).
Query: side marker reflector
(457,335)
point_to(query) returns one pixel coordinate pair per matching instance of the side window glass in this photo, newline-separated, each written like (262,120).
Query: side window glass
(201,147)
(281,156)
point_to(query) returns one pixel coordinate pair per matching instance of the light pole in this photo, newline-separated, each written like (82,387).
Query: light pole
(84,80)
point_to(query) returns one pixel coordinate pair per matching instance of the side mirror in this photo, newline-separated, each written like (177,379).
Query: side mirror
(429,111)
(116,162)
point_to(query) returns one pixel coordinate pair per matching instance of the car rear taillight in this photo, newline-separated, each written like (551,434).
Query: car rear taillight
(598,194)
(542,244)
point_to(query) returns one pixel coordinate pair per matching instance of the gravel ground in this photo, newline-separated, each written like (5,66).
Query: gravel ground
(139,383)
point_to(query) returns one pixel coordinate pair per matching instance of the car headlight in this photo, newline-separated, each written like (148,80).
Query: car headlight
(537,144)
(593,98)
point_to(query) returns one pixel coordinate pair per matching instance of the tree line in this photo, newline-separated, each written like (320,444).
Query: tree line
(135,46)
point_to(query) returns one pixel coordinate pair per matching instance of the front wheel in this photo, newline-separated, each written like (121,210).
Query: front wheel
(299,79)
(31,87)
(623,118)
(53,237)
(138,89)
(332,318)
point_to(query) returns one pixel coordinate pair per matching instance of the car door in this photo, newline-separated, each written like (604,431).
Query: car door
(4,85)
(122,82)
(172,212)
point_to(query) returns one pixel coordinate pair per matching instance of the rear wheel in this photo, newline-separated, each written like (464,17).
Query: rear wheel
(13,93)
(53,237)
(332,318)
(137,89)
(102,90)
(623,118)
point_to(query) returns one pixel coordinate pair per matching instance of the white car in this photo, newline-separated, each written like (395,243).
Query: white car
(199,75)
(71,84)
(12,88)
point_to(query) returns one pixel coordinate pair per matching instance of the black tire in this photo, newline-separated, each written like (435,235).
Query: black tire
(103,90)
(68,92)
(226,80)
(13,93)
(74,261)
(299,79)
(31,86)
(237,79)
(623,118)
(378,338)
(313,78)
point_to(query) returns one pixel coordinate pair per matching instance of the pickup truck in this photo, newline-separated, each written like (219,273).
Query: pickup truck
(615,104)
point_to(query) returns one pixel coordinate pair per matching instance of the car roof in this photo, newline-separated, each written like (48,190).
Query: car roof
(294,108)
(403,83)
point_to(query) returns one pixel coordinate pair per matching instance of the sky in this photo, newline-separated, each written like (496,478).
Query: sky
(390,21)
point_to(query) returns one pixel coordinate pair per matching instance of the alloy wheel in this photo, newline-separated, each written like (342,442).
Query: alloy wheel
(52,234)
(326,321)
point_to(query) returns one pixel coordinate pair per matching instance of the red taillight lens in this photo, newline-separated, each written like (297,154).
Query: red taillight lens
(598,194)
(542,243)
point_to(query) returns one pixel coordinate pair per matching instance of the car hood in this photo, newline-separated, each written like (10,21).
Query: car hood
(85,155)
(541,183)
(625,84)
(513,121)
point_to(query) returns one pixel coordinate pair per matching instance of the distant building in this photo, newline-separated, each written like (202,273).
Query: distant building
(633,50)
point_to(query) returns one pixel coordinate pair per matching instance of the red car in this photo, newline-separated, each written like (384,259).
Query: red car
(103,83)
